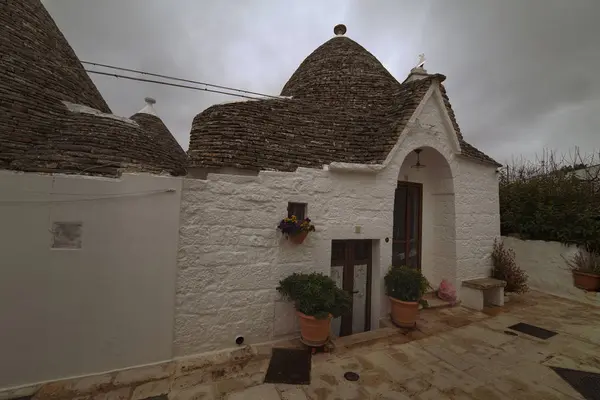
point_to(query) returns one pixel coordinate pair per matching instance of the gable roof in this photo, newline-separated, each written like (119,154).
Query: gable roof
(467,150)
(52,117)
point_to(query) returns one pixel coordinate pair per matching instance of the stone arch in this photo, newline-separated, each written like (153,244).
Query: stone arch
(438,216)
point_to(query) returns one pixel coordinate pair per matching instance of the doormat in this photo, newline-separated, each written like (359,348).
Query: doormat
(291,366)
(586,383)
(533,330)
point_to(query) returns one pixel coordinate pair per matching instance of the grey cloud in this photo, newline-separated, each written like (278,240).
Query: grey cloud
(521,74)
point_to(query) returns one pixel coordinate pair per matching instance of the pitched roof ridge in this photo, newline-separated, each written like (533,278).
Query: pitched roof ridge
(467,149)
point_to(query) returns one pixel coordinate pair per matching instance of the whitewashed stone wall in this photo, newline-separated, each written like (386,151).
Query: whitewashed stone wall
(228,252)
(477,219)
(231,255)
(544,262)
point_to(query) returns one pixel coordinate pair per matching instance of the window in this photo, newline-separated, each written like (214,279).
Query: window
(297,209)
(338,252)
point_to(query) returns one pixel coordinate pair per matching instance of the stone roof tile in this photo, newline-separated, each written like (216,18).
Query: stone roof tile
(40,130)
(344,107)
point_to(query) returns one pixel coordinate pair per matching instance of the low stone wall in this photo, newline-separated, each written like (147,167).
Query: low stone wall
(545,264)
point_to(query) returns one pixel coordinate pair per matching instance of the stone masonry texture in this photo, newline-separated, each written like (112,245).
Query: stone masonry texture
(231,256)
(38,133)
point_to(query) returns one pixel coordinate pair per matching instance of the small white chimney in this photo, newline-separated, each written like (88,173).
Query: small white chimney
(149,109)
(416,73)
(419,71)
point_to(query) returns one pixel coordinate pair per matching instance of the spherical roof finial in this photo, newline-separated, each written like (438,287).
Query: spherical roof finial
(339,30)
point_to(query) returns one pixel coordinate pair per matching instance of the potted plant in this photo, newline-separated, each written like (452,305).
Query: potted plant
(405,288)
(585,266)
(294,229)
(317,300)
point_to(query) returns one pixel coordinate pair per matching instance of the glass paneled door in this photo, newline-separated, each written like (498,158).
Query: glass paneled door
(406,243)
(351,264)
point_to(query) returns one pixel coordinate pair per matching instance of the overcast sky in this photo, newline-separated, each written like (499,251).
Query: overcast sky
(522,74)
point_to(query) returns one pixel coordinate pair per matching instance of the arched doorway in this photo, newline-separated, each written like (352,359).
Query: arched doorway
(424,229)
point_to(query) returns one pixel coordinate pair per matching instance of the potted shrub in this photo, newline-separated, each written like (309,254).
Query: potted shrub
(294,229)
(317,300)
(405,288)
(585,266)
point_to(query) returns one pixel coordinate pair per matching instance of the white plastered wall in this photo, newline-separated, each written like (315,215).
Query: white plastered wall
(546,266)
(104,306)
(231,256)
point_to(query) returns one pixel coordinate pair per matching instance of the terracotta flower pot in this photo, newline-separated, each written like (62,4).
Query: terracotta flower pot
(585,281)
(315,332)
(299,238)
(404,313)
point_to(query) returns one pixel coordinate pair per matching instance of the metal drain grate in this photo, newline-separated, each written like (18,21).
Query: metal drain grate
(291,366)
(532,330)
(586,383)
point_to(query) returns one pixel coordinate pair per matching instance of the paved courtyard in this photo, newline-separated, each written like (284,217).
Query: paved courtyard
(475,361)
(454,354)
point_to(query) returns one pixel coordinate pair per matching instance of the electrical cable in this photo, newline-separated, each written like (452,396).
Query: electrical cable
(178,79)
(171,84)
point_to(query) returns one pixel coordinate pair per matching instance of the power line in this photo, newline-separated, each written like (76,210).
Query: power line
(172,84)
(177,79)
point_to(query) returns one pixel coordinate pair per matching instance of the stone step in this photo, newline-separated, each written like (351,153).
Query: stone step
(364,338)
(436,302)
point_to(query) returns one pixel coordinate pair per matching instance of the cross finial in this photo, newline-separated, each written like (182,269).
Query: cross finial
(421,61)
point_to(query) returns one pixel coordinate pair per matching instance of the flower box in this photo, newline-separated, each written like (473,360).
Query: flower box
(294,229)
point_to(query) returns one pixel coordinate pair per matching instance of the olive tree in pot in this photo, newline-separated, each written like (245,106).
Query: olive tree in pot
(317,300)
(405,288)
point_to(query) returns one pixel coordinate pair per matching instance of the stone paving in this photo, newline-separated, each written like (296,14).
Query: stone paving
(475,360)
(454,354)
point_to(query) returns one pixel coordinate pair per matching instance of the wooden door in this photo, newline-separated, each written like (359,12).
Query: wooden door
(351,265)
(408,217)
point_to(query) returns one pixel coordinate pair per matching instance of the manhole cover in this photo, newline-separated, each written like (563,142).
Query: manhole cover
(351,376)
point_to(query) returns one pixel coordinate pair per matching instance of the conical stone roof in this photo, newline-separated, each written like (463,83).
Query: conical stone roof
(52,117)
(158,132)
(341,72)
(342,105)
(37,59)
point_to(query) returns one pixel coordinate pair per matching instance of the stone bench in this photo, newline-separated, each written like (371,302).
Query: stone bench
(476,293)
